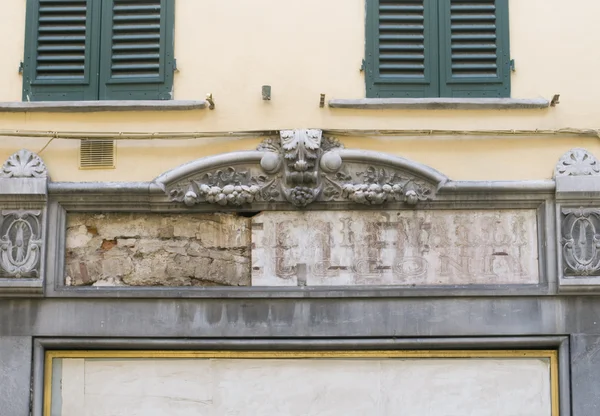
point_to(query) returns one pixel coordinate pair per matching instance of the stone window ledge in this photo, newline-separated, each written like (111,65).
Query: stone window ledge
(98,106)
(440,103)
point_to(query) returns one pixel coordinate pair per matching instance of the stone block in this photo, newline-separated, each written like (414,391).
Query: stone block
(421,247)
(585,374)
(15,373)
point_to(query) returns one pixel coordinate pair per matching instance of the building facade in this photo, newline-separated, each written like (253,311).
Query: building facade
(312,207)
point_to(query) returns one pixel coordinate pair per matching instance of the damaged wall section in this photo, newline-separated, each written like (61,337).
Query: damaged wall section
(141,249)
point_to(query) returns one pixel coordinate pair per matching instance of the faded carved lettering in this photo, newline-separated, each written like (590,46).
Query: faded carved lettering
(458,264)
(285,268)
(402,247)
(347,233)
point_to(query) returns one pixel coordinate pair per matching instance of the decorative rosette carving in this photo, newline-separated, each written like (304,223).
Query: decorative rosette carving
(24,164)
(577,162)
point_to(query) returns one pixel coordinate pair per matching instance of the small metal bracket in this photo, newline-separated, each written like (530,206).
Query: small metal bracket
(21,67)
(363,65)
(211,102)
(512,65)
(322,101)
(555,100)
(175,69)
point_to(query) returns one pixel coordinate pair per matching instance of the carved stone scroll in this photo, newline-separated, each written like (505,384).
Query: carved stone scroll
(20,243)
(580,242)
(301,168)
(23,199)
(577,178)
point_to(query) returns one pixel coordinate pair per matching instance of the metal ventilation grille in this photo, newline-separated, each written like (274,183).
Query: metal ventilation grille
(61,39)
(401,38)
(474,38)
(94,154)
(136,39)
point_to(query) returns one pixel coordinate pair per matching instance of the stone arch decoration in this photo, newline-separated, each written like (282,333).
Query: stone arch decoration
(301,168)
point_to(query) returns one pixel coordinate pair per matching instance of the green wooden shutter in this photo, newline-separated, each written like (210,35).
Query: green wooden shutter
(61,50)
(474,53)
(137,50)
(401,49)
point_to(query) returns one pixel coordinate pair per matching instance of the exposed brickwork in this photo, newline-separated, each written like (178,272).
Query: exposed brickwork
(119,249)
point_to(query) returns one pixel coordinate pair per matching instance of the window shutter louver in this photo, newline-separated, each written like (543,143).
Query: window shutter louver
(401,48)
(62,46)
(137,50)
(474,60)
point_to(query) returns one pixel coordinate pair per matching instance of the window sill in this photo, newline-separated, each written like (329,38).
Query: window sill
(99,106)
(440,103)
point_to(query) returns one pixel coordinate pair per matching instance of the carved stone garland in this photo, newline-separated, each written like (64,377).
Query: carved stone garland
(301,168)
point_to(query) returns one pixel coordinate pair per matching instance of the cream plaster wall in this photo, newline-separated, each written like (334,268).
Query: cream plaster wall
(304,48)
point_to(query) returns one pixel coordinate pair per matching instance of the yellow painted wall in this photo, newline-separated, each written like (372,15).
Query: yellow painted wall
(304,48)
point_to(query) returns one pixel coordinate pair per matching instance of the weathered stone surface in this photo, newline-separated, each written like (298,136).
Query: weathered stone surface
(300,387)
(157,250)
(446,247)
(15,373)
(585,367)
